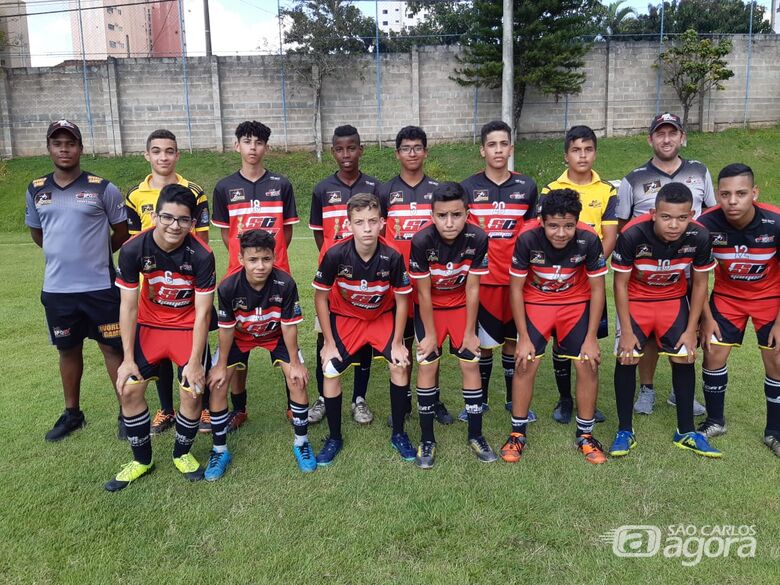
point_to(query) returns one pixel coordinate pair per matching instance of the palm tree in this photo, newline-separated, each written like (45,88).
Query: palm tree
(612,16)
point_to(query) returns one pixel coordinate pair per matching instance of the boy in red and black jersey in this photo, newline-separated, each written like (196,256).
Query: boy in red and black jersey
(361,299)
(170,322)
(557,290)
(447,260)
(328,221)
(745,236)
(500,202)
(253,198)
(259,307)
(651,258)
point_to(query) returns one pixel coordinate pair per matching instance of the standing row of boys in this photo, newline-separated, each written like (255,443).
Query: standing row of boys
(492,265)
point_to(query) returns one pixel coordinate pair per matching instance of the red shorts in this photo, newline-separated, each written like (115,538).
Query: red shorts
(666,321)
(494,320)
(732,316)
(352,334)
(448,323)
(154,345)
(567,323)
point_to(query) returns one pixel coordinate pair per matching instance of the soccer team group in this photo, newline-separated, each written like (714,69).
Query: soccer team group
(487,263)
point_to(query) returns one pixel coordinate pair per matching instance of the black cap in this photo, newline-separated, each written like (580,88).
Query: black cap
(65,125)
(666,118)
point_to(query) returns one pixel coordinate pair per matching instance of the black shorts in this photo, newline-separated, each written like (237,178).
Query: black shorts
(239,359)
(72,317)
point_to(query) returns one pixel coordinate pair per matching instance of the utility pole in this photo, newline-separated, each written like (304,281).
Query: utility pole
(508,73)
(207,26)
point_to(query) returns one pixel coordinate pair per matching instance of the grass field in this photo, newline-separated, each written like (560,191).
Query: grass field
(371,518)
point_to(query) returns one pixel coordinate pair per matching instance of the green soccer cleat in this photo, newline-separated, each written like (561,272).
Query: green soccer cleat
(189,466)
(129,473)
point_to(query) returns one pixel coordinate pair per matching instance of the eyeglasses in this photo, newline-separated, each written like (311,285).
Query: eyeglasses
(168,219)
(416,149)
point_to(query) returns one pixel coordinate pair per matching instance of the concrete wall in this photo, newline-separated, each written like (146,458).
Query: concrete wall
(131,97)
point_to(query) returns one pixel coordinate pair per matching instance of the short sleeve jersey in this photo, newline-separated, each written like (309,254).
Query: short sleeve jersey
(242,205)
(358,288)
(75,221)
(448,265)
(142,199)
(554,276)
(598,198)
(408,211)
(658,268)
(747,258)
(258,315)
(170,279)
(638,189)
(501,211)
(329,205)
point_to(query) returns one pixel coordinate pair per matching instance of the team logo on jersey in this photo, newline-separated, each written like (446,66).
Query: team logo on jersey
(643,251)
(236,195)
(42,199)
(694,180)
(469,251)
(297,312)
(432,255)
(333,197)
(94,180)
(186,267)
(382,273)
(537,257)
(148,263)
(652,187)
(239,303)
(594,203)
(517,195)
(344,271)
(148,208)
(577,258)
(719,238)
(39,182)
(480,195)
(86,196)
(204,217)
(413,225)
(428,196)
(273,193)
(764,220)
(396,197)
(765,239)
(686,250)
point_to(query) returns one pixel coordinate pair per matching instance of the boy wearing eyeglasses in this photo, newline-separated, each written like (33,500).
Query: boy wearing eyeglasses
(171,322)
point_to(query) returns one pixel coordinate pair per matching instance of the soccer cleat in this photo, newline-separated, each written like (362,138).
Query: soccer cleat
(235,419)
(361,413)
(65,425)
(329,451)
(623,443)
(773,443)
(512,451)
(644,404)
(317,411)
(403,445)
(129,472)
(304,456)
(205,421)
(598,416)
(464,417)
(442,414)
(189,466)
(218,464)
(563,411)
(163,421)
(121,430)
(426,455)
(712,428)
(288,415)
(531,416)
(592,449)
(696,442)
(482,450)
(698,408)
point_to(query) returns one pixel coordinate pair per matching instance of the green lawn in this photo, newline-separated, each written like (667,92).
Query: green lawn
(371,518)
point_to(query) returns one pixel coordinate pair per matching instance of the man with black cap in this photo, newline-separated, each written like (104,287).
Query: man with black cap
(636,196)
(69,213)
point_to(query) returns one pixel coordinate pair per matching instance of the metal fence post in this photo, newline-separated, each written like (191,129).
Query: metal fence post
(749,62)
(86,83)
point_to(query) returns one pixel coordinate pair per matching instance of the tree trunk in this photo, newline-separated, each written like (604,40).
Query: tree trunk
(686,111)
(518,108)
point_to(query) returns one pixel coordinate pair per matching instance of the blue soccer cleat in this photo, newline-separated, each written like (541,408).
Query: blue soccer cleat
(329,451)
(304,456)
(218,464)
(623,443)
(403,445)
(696,442)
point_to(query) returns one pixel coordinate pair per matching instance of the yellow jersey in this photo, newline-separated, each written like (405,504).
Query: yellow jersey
(142,199)
(598,198)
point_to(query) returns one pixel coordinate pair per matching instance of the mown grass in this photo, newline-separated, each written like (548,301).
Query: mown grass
(371,518)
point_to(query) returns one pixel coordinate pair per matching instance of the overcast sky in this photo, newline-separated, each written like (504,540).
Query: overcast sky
(238,27)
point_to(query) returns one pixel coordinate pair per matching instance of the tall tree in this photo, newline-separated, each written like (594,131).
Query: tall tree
(612,17)
(321,33)
(550,46)
(703,16)
(693,66)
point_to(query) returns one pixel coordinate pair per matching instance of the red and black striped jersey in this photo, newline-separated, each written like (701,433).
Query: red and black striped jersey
(242,205)
(658,269)
(747,258)
(329,205)
(557,276)
(408,210)
(448,265)
(258,315)
(170,279)
(358,288)
(501,211)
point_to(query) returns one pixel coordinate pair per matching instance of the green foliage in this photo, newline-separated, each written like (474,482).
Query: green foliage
(693,66)
(703,16)
(445,23)
(612,18)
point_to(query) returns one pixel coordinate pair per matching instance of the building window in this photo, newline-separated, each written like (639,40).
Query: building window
(110,27)
(112,44)
(384,11)
(384,23)
(110,10)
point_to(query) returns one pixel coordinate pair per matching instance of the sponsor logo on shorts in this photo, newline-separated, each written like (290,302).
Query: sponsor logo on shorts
(652,187)
(148,208)
(643,251)
(109,330)
(86,196)
(344,271)
(240,303)
(396,197)
(222,314)
(42,199)
(236,195)
(481,195)
(148,263)
(333,197)
(719,238)
(537,257)
(60,332)
(765,239)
